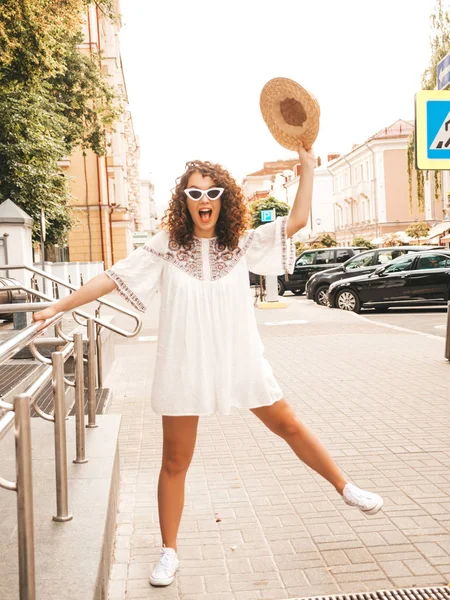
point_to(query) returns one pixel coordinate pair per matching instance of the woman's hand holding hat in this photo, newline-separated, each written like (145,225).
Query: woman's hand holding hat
(307,158)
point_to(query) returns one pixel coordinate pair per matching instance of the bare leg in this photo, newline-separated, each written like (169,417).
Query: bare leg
(281,419)
(180,434)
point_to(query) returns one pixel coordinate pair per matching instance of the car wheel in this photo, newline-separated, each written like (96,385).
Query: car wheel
(348,300)
(281,288)
(321,297)
(298,292)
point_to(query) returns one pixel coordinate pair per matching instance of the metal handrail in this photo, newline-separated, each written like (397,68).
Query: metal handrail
(69,286)
(19,412)
(35,306)
(20,340)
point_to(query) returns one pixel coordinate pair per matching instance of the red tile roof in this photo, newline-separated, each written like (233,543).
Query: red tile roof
(400,128)
(277,166)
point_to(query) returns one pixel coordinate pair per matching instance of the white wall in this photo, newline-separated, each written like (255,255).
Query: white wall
(148,206)
(322,203)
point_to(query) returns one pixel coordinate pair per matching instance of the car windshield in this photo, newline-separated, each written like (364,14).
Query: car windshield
(386,256)
(403,263)
(306,259)
(364,260)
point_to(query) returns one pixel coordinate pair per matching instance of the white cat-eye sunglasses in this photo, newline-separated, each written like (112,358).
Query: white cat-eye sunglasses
(212,194)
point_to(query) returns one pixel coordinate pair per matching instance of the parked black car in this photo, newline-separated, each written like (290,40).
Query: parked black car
(308,263)
(362,264)
(415,279)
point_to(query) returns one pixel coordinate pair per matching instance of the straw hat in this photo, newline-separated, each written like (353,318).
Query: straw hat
(290,112)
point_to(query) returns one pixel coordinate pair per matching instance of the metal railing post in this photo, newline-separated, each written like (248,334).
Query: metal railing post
(91,373)
(59,399)
(25,520)
(447,338)
(99,348)
(79,399)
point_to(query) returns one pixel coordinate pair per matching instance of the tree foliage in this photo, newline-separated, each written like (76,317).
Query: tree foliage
(391,239)
(325,240)
(418,230)
(363,242)
(281,209)
(439,47)
(52,99)
(299,247)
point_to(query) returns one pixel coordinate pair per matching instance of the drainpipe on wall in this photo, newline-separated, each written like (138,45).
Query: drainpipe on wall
(109,213)
(334,204)
(375,195)
(100,211)
(86,191)
(351,203)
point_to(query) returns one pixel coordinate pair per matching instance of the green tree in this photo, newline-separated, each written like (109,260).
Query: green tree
(391,239)
(363,243)
(52,99)
(324,241)
(418,230)
(299,247)
(440,47)
(281,209)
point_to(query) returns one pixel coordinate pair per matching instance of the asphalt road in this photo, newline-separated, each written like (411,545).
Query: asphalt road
(431,320)
(426,320)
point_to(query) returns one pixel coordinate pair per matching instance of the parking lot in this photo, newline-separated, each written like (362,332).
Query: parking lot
(431,319)
(425,320)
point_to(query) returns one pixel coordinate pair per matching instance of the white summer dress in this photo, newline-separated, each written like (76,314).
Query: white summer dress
(209,352)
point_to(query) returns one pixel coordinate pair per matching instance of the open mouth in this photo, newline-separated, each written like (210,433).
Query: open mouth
(205,215)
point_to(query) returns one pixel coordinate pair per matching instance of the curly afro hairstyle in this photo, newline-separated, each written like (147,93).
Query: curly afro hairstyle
(233,218)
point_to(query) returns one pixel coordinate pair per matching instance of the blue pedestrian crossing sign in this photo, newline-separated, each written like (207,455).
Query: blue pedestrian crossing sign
(433,130)
(268,215)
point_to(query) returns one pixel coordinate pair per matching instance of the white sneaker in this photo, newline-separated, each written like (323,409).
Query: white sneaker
(367,502)
(164,572)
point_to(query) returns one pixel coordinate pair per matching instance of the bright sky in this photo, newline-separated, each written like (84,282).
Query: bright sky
(195,70)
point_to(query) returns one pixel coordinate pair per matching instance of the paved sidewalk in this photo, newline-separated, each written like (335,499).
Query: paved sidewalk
(379,398)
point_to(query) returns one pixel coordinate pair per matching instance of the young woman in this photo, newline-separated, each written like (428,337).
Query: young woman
(210,356)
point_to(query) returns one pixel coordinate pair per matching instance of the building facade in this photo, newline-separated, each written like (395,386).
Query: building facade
(149,214)
(371,189)
(271,180)
(321,218)
(105,189)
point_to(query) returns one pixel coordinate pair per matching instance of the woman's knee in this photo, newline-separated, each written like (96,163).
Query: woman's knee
(288,427)
(175,463)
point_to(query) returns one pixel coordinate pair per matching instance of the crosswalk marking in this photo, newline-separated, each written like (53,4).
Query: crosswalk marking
(442,139)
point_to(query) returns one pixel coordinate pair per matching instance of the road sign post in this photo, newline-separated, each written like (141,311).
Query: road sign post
(267,216)
(433,130)
(443,73)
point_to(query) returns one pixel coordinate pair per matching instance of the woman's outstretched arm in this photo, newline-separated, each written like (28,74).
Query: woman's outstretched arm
(95,288)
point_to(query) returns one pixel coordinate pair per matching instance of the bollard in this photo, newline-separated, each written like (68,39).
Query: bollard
(59,401)
(91,374)
(24,485)
(79,399)
(447,338)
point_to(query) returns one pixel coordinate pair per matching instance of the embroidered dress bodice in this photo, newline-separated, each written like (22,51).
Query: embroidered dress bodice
(209,353)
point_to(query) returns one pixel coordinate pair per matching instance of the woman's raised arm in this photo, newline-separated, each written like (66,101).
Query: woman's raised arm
(299,215)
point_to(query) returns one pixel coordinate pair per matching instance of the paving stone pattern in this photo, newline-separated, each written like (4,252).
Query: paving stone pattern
(379,398)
